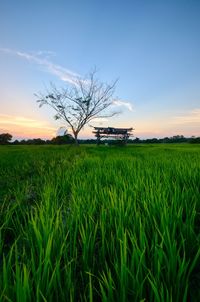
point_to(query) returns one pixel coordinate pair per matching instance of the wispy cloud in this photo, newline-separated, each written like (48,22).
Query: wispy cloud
(100,119)
(42,58)
(126,104)
(46,53)
(25,127)
(191,118)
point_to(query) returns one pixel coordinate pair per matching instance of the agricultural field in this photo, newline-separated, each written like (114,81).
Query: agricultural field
(100,223)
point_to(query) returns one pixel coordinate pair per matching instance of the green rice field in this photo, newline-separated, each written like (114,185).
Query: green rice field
(100,223)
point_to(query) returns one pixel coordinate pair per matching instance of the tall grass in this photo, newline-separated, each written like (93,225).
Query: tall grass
(100,224)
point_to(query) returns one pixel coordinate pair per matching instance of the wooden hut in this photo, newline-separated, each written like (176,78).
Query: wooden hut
(110,132)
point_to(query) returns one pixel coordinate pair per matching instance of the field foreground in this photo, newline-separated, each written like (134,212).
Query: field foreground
(100,223)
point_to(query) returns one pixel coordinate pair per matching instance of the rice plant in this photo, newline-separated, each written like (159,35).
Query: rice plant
(100,223)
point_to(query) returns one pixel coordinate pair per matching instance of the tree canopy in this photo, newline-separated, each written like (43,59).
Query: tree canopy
(5,138)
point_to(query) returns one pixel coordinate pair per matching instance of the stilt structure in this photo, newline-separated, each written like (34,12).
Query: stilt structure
(117,133)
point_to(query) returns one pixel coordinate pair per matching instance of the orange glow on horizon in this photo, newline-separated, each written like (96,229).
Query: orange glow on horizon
(21,127)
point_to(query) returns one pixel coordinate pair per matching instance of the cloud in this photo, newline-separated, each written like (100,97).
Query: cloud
(46,53)
(42,58)
(25,127)
(191,118)
(99,119)
(128,105)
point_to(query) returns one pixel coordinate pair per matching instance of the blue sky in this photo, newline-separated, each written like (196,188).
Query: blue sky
(153,47)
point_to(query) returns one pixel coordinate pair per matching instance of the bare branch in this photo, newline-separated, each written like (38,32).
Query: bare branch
(80,103)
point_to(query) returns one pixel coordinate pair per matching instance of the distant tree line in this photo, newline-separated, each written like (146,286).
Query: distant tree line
(173,139)
(5,139)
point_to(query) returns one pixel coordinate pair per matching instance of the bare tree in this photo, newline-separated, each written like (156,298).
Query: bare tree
(81,102)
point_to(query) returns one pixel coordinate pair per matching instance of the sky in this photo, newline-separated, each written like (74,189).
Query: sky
(151,47)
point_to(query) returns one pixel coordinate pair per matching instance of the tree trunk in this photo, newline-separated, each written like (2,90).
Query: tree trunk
(76,138)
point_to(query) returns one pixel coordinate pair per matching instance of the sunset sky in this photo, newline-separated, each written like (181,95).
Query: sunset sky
(153,47)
